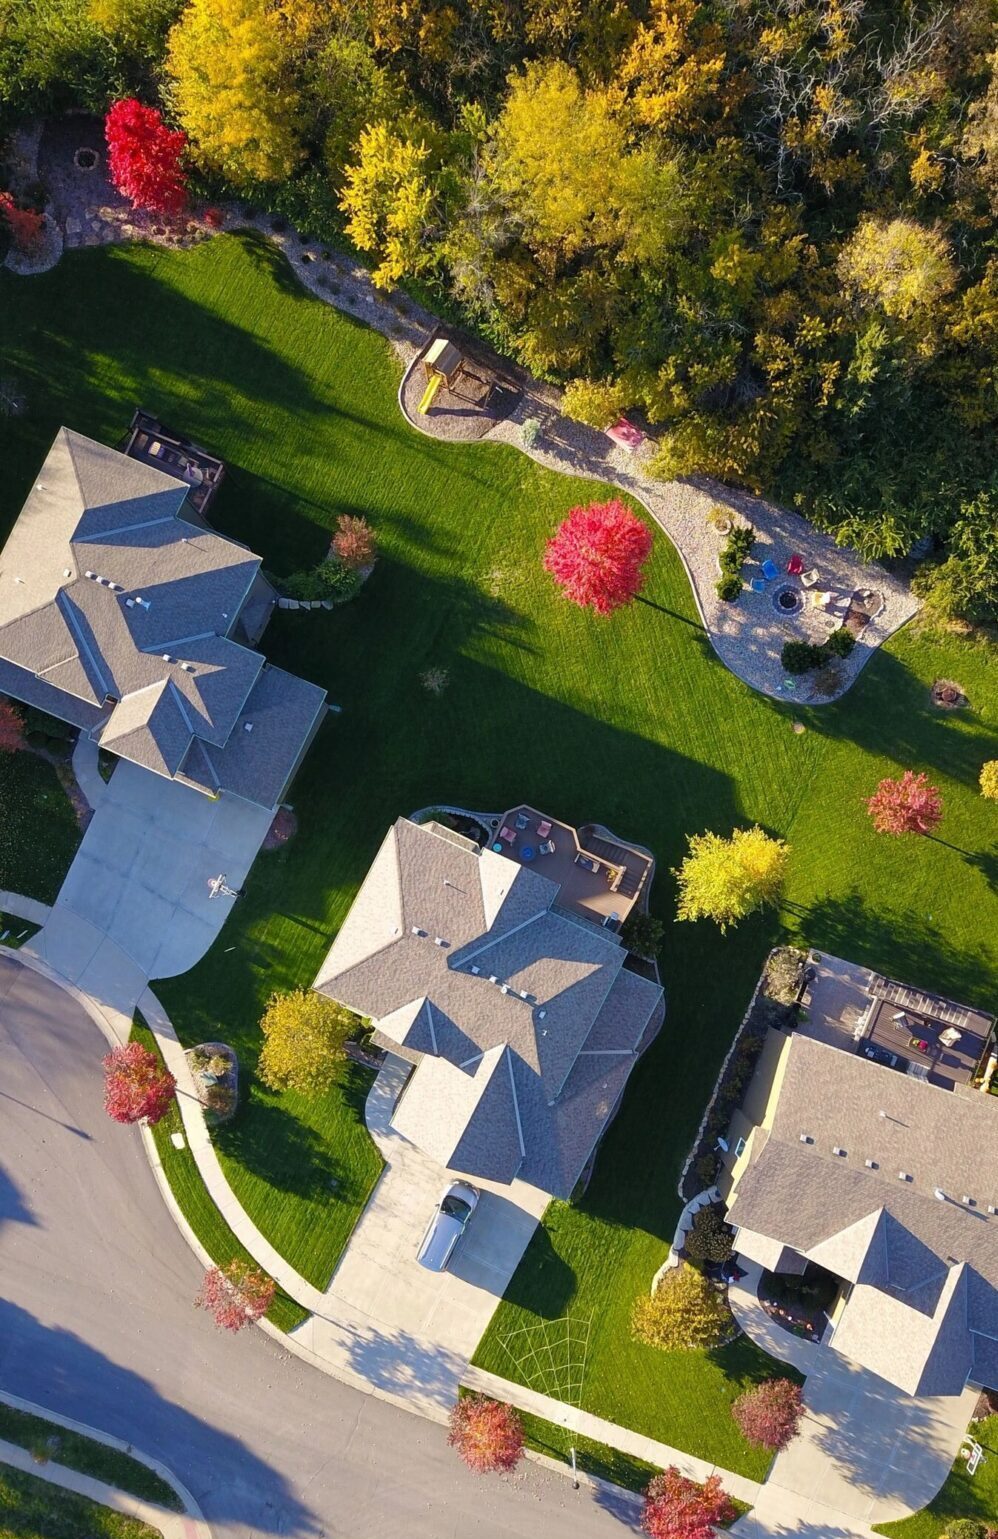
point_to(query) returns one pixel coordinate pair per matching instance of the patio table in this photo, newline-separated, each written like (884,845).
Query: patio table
(527,852)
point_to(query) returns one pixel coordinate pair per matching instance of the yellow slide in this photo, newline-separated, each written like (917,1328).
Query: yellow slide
(429,393)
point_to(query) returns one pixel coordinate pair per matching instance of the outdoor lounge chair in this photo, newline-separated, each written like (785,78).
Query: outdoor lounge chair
(795,565)
(522,821)
(547,848)
(950,1037)
(758,585)
(810,578)
(509,834)
(543,829)
(770,570)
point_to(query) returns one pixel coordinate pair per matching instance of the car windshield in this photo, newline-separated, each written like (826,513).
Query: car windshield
(455,1207)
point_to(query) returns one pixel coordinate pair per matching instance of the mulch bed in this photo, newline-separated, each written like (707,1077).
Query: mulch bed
(283,828)
(948,696)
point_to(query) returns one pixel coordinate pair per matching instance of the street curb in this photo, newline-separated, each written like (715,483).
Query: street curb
(192,1508)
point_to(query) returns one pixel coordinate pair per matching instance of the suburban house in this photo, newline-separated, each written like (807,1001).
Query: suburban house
(867,1143)
(124,614)
(517,1012)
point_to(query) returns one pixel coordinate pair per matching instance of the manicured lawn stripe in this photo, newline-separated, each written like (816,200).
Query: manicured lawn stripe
(32,1509)
(632,722)
(47,1440)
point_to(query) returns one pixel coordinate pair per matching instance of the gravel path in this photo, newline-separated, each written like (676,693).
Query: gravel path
(747,635)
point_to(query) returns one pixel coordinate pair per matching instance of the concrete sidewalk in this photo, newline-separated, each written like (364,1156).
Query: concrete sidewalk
(172,1525)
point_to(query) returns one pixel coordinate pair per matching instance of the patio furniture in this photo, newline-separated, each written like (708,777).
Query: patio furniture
(795,565)
(588,862)
(950,1037)
(497,849)
(547,848)
(810,578)
(543,829)
(527,852)
(919,1044)
(918,1070)
(770,569)
(508,834)
(611,920)
(522,821)
(758,585)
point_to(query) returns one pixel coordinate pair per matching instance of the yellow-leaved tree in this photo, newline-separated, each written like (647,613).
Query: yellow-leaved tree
(304,1040)
(229,81)
(989,780)
(725,879)
(686,1313)
(388,195)
(898,266)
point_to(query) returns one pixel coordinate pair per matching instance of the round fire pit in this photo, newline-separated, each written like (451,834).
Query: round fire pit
(788,600)
(86,159)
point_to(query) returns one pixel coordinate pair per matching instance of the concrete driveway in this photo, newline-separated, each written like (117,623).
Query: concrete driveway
(379,1273)
(97,1322)
(866,1448)
(135,902)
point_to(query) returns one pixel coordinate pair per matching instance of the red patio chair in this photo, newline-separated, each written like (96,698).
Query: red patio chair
(795,565)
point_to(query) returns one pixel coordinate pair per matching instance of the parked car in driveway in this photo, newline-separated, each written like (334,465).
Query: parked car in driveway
(447,1224)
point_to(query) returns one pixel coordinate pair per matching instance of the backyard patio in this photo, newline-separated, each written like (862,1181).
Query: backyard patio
(600,877)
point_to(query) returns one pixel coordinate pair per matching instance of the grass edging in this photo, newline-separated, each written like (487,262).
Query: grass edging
(195,1201)
(45,1439)
(34,1508)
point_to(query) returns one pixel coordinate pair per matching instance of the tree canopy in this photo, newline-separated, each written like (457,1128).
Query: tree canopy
(304,1037)
(726,879)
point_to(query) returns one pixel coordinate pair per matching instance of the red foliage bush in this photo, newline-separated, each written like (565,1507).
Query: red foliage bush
(677,1507)
(136,1086)
(770,1413)
(213,218)
(236,1294)
(486,1433)
(144,157)
(906,806)
(26,225)
(597,554)
(353,542)
(11,727)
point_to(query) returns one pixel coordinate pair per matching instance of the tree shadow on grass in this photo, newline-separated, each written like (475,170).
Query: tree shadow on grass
(903,944)
(275,1145)
(986,862)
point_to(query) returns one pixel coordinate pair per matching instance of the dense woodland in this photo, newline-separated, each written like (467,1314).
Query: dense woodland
(766,226)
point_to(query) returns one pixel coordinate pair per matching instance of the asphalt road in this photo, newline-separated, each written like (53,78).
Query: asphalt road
(96,1322)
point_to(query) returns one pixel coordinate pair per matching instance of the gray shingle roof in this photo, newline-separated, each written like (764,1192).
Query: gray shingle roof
(455,954)
(904,1243)
(113,601)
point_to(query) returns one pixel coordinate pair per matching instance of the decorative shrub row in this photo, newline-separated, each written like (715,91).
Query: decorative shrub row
(737,549)
(804,656)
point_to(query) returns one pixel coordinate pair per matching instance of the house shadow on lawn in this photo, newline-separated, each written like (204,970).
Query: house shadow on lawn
(70,1376)
(901,943)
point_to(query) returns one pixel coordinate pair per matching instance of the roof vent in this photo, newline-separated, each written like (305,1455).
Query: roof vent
(872,1165)
(504,988)
(837,1150)
(493,978)
(524,994)
(475,970)
(67,571)
(247,726)
(90,574)
(115,587)
(187,667)
(992,1208)
(438,940)
(541,1014)
(903,1175)
(939,1194)
(167,658)
(417,931)
(968,1202)
(130,603)
(806,1138)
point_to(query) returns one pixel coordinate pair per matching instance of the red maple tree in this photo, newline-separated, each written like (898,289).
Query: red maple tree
(906,806)
(677,1507)
(137,1087)
(11,727)
(145,157)
(486,1433)
(236,1294)
(353,543)
(25,225)
(596,555)
(770,1413)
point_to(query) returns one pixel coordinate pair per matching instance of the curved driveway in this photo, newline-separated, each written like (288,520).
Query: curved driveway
(96,1322)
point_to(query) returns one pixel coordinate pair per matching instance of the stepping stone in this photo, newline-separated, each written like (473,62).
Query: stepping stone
(73,226)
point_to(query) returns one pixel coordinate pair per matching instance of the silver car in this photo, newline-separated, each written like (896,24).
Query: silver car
(446,1226)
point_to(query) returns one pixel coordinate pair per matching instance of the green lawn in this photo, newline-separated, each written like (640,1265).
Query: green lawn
(46,1440)
(32,1509)
(963,1495)
(195,1202)
(38,828)
(632,722)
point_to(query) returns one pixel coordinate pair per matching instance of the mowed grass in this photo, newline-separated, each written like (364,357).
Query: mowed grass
(631,721)
(38,828)
(31,1508)
(46,1440)
(962,1495)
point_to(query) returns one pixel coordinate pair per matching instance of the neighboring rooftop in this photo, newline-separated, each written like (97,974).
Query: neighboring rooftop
(116,614)
(523,1022)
